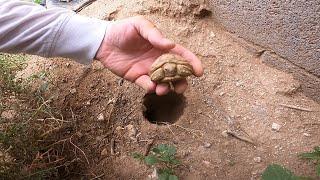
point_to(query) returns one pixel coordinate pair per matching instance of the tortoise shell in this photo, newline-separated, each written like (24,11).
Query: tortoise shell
(170,68)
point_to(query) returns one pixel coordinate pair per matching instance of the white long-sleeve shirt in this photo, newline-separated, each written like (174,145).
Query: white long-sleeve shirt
(30,28)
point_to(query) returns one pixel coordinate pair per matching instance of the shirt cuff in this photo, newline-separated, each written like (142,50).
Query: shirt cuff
(79,38)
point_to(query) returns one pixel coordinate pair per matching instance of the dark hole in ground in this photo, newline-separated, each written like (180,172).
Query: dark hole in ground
(163,109)
(204,13)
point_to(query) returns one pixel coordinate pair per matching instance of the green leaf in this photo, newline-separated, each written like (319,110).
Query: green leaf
(315,155)
(165,173)
(165,170)
(175,162)
(151,160)
(165,149)
(138,156)
(173,177)
(318,169)
(163,176)
(277,172)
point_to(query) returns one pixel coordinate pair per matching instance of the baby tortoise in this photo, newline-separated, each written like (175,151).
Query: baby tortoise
(169,68)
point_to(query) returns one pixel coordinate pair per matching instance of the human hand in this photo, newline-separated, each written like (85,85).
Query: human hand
(129,48)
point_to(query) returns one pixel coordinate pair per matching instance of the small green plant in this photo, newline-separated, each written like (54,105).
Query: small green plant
(9,65)
(37,1)
(277,172)
(163,157)
(313,156)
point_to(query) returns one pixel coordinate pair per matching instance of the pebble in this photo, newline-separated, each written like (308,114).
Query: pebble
(207,145)
(224,133)
(207,163)
(275,126)
(212,35)
(239,83)
(73,90)
(104,152)
(306,134)
(100,117)
(132,131)
(257,159)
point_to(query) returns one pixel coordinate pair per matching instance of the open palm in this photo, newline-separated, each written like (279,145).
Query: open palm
(130,47)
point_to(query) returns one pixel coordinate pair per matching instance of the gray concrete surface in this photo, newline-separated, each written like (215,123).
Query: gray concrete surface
(291,29)
(283,33)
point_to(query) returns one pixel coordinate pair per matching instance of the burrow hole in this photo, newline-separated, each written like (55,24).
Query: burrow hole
(164,109)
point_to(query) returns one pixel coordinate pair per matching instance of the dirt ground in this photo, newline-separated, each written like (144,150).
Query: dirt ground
(237,95)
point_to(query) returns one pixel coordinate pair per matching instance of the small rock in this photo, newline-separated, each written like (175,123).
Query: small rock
(119,128)
(275,126)
(100,117)
(73,90)
(88,103)
(8,114)
(257,159)
(104,152)
(222,93)
(153,175)
(207,145)
(212,35)
(207,163)
(225,133)
(185,153)
(68,64)
(306,134)
(132,131)
(239,83)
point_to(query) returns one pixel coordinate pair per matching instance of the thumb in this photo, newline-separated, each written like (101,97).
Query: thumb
(149,32)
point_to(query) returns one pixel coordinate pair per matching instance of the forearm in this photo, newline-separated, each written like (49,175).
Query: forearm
(32,29)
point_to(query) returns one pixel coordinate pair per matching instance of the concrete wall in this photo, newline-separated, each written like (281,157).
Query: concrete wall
(289,28)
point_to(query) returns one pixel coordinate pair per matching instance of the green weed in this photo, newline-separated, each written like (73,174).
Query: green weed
(9,64)
(37,1)
(277,172)
(38,143)
(163,157)
(313,156)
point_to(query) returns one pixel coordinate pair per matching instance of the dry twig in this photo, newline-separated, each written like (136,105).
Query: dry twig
(149,145)
(240,137)
(296,107)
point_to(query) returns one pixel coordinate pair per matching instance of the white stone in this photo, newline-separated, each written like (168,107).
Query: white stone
(73,90)
(100,117)
(207,145)
(225,133)
(257,159)
(276,127)
(306,134)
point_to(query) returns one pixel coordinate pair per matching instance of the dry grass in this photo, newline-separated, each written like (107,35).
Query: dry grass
(40,142)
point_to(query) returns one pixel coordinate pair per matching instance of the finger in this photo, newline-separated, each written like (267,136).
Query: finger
(145,82)
(149,32)
(180,86)
(162,89)
(189,56)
